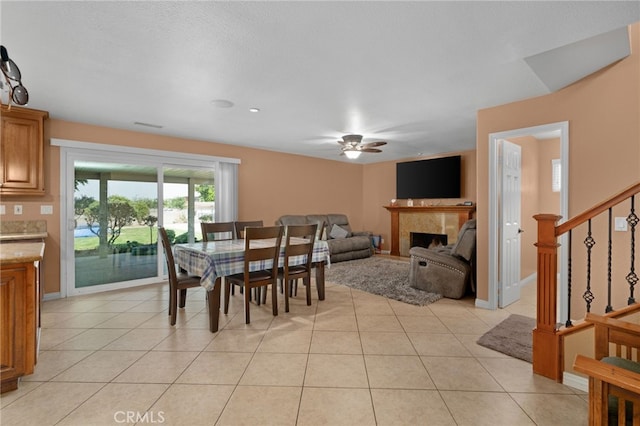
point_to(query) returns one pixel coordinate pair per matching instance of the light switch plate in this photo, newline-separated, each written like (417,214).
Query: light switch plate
(3,209)
(46,209)
(620,224)
(17,209)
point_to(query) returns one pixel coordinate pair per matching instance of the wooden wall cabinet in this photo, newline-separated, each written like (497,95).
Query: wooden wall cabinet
(19,310)
(22,151)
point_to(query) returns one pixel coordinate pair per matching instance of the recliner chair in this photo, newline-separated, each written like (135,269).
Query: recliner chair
(446,270)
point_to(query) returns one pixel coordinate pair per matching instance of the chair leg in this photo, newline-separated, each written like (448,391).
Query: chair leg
(285,286)
(227,287)
(307,284)
(274,299)
(183,297)
(173,307)
(247,318)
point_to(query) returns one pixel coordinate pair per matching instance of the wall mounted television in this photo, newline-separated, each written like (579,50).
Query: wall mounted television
(432,178)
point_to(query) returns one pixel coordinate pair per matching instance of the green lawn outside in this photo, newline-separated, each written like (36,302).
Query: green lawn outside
(140,234)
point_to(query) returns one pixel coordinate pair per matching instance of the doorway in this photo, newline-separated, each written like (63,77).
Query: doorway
(561,131)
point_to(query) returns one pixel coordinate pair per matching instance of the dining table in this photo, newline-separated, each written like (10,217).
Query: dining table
(212,260)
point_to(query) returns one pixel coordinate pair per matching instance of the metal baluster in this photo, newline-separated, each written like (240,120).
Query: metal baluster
(632,278)
(569,323)
(609,249)
(589,242)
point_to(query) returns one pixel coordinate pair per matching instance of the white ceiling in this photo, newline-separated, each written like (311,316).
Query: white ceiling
(410,73)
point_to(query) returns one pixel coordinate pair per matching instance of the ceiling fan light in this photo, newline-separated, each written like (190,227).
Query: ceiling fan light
(352,154)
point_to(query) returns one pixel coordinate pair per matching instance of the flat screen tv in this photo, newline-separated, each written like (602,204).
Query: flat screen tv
(433,178)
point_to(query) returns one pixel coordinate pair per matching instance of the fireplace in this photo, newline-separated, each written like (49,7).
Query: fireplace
(426,240)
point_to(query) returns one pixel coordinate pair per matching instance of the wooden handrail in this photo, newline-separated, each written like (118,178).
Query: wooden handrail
(547,340)
(597,209)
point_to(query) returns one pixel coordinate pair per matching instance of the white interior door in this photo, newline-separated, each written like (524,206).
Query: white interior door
(510,161)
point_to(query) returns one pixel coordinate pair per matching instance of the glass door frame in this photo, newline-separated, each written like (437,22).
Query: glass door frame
(72,151)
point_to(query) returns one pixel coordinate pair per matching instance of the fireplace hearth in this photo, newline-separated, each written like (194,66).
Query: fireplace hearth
(427,240)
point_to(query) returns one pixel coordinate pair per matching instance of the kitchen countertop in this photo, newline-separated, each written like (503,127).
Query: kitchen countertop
(17,252)
(23,236)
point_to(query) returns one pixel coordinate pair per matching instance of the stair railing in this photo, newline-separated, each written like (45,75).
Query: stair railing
(547,344)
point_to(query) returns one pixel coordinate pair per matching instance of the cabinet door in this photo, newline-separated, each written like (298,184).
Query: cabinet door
(21,152)
(12,325)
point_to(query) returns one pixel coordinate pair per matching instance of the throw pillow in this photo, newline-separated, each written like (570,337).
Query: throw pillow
(338,232)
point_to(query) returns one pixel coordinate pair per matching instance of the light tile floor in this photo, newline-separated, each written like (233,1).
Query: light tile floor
(352,359)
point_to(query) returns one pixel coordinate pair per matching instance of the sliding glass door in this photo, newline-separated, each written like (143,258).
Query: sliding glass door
(116,208)
(116,213)
(188,199)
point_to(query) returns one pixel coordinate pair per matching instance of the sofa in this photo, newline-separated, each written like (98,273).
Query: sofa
(344,244)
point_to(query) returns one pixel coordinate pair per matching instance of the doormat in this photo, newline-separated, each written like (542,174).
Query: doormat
(512,337)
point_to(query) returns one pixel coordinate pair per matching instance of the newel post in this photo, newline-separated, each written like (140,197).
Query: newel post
(546,343)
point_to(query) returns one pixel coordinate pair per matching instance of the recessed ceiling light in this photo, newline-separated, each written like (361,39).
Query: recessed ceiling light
(254,109)
(222,103)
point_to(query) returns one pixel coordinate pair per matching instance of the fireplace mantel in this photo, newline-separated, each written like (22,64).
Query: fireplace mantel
(464,213)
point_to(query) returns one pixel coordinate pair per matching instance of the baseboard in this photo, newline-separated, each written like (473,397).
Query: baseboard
(385,251)
(575,381)
(51,296)
(483,304)
(530,279)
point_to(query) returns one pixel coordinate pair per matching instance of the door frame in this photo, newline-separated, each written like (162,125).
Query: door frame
(69,149)
(494,191)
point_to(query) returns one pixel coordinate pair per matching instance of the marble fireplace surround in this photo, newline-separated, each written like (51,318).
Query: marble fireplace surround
(432,219)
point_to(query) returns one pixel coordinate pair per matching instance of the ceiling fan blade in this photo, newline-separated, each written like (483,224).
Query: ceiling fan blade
(370,150)
(373,144)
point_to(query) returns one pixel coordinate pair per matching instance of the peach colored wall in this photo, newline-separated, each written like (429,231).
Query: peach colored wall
(604,138)
(548,201)
(270,183)
(379,187)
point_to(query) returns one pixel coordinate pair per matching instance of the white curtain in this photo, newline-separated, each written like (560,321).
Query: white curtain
(226,187)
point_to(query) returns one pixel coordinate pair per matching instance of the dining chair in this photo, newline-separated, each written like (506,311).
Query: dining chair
(217,231)
(239,229)
(298,242)
(243,224)
(261,244)
(179,281)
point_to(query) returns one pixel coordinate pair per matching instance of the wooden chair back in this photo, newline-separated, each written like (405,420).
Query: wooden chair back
(168,255)
(261,244)
(240,225)
(299,242)
(297,248)
(257,250)
(619,339)
(615,337)
(217,231)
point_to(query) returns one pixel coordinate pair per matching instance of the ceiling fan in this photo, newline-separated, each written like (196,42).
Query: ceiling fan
(352,146)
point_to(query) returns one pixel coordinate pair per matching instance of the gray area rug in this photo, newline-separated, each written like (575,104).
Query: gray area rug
(512,337)
(377,275)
